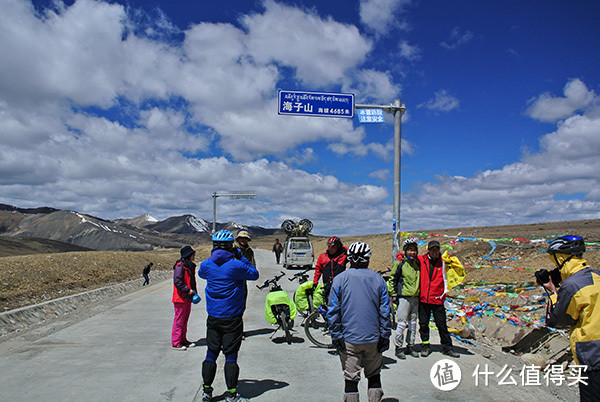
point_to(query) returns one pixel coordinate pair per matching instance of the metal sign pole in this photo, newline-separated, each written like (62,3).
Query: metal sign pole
(396,109)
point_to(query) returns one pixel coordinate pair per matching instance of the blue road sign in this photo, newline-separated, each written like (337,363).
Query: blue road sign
(319,104)
(370,116)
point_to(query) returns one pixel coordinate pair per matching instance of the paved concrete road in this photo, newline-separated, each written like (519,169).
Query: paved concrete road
(124,353)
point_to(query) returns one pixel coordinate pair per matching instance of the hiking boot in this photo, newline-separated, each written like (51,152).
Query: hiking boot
(207,393)
(234,397)
(410,350)
(451,353)
(400,353)
(426,351)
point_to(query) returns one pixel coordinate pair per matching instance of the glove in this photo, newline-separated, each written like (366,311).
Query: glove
(383,344)
(196,299)
(237,253)
(339,344)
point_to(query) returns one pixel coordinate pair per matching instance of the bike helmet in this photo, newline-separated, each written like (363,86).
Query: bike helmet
(359,252)
(412,241)
(573,245)
(334,240)
(223,239)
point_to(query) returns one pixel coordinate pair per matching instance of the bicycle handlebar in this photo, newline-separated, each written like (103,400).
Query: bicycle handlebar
(300,275)
(271,281)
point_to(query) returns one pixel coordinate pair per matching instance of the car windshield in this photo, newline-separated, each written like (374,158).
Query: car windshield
(300,245)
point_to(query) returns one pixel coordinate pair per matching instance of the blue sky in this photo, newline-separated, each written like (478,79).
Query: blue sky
(121,108)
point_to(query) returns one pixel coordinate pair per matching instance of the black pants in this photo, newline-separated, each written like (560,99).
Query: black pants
(439,316)
(591,391)
(146,280)
(277,256)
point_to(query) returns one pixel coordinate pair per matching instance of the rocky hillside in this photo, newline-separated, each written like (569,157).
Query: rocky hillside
(90,232)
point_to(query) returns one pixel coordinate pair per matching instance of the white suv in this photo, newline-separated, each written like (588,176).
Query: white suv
(298,251)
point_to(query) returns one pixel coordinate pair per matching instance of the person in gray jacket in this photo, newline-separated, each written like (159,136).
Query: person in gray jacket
(359,322)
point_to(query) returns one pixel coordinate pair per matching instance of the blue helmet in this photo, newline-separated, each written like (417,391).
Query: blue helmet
(223,236)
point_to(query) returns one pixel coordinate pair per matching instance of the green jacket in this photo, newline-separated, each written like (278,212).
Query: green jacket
(404,281)
(278,297)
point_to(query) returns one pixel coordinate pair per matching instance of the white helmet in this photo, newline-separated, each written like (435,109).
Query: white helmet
(359,252)
(411,241)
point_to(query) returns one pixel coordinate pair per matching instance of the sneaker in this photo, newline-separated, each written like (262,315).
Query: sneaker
(179,347)
(451,353)
(426,351)
(411,351)
(207,393)
(190,344)
(400,353)
(229,397)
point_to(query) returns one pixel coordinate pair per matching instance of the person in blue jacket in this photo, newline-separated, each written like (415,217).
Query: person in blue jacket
(226,273)
(359,322)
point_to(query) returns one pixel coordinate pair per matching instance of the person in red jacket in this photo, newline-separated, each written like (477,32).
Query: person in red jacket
(184,290)
(433,290)
(330,264)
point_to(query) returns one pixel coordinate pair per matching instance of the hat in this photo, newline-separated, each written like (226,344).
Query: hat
(432,244)
(186,251)
(243,234)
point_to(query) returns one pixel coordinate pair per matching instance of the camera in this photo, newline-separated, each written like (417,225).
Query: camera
(543,276)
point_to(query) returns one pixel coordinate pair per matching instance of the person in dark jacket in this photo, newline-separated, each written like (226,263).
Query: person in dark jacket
(433,291)
(359,322)
(145,273)
(277,249)
(184,289)
(330,264)
(226,273)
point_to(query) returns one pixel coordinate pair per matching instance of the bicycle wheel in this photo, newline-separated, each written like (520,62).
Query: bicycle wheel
(286,327)
(317,330)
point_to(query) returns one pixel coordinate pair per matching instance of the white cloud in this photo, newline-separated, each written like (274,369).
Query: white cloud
(549,108)
(372,86)
(442,102)
(321,50)
(408,51)
(382,16)
(381,175)
(547,183)
(457,39)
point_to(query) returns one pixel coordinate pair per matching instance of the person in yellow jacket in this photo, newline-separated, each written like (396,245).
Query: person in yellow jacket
(575,303)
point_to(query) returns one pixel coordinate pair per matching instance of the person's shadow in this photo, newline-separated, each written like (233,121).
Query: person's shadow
(253,388)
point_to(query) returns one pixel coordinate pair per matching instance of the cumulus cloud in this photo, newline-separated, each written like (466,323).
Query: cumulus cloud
(381,16)
(441,102)
(457,38)
(116,112)
(321,50)
(549,108)
(547,183)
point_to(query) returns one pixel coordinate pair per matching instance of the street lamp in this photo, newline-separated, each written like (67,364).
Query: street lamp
(240,195)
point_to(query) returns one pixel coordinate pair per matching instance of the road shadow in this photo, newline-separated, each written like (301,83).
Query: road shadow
(253,388)
(260,331)
(281,339)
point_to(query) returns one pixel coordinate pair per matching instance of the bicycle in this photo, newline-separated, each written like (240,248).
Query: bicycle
(306,297)
(279,308)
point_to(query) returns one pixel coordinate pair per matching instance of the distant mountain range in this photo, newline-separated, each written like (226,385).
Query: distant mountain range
(139,233)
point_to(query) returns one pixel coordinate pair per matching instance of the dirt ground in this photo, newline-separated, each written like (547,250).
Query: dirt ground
(29,279)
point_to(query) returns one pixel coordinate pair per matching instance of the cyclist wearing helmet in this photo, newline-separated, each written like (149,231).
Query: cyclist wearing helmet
(359,322)
(576,304)
(330,264)
(404,286)
(432,293)
(226,273)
